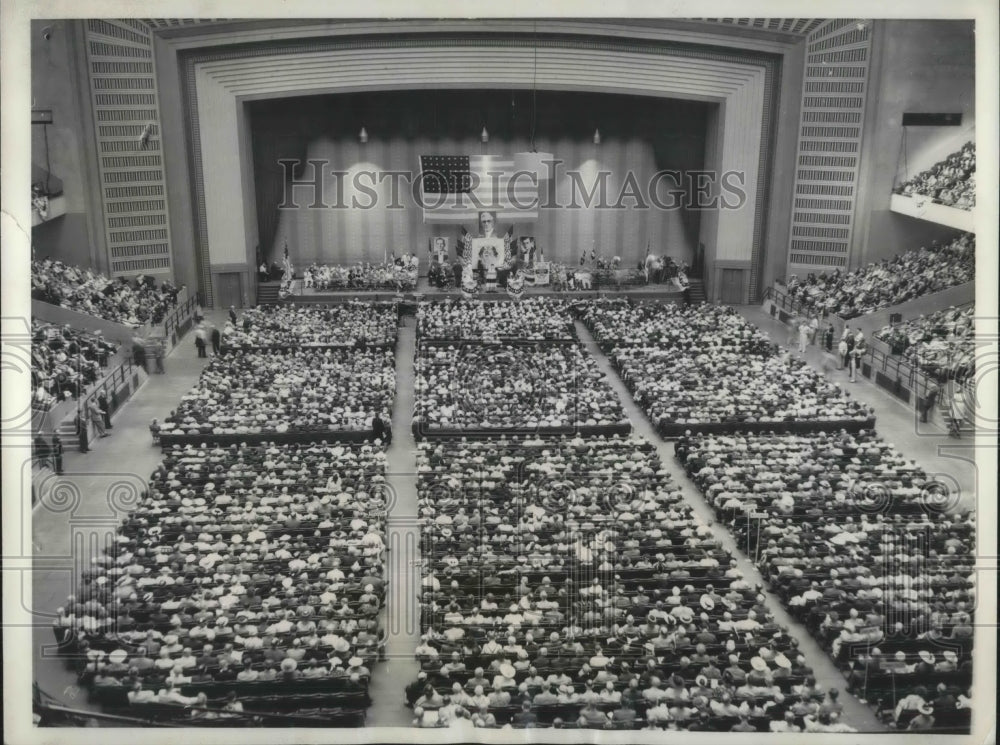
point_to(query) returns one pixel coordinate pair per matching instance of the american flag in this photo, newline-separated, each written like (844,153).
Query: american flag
(456,188)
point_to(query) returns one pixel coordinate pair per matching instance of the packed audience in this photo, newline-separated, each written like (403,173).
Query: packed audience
(942,344)
(706,365)
(511,386)
(885,283)
(534,318)
(132,303)
(566,583)
(245,576)
(64,361)
(290,326)
(278,391)
(858,542)
(396,275)
(951,182)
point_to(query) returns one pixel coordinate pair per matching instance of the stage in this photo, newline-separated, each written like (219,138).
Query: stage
(424,291)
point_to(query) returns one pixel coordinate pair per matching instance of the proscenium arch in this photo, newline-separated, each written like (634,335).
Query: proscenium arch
(217,83)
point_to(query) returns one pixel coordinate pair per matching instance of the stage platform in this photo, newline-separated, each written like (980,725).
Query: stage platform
(424,291)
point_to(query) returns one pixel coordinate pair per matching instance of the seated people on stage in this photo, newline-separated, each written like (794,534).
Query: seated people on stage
(951,182)
(132,303)
(854,542)
(885,283)
(518,386)
(533,318)
(707,365)
(942,343)
(279,391)
(290,326)
(396,275)
(64,361)
(241,565)
(574,583)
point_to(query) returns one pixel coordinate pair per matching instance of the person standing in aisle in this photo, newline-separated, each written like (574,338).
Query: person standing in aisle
(957,413)
(102,401)
(844,348)
(929,398)
(857,352)
(97,417)
(83,430)
(200,340)
(805,332)
(159,354)
(56,453)
(216,340)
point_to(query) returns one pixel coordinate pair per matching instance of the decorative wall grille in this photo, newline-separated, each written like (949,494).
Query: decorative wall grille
(122,75)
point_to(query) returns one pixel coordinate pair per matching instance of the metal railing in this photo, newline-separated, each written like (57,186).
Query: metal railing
(110,386)
(178,320)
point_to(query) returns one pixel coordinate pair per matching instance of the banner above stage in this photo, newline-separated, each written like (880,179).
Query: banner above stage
(456,188)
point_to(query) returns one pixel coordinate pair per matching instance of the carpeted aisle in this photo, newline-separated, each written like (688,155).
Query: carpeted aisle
(402,620)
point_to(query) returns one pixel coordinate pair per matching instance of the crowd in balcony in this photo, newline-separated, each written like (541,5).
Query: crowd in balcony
(885,283)
(950,182)
(872,554)
(567,584)
(278,391)
(707,365)
(121,300)
(942,343)
(242,573)
(64,361)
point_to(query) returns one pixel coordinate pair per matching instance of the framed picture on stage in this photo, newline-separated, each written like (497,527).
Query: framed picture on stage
(528,250)
(487,251)
(440,249)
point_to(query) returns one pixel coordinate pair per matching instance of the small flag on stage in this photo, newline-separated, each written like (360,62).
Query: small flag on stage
(456,188)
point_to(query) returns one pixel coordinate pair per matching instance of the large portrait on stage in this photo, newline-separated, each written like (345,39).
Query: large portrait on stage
(488,252)
(528,251)
(440,249)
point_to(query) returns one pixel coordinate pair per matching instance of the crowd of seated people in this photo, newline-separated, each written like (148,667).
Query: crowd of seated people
(246,576)
(534,318)
(132,303)
(566,583)
(707,365)
(942,343)
(348,324)
(466,386)
(885,283)
(278,391)
(858,542)
(951,182)
(64,361)
(396,275)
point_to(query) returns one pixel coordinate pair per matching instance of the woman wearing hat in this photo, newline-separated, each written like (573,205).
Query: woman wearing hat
(909,706)
(924,718)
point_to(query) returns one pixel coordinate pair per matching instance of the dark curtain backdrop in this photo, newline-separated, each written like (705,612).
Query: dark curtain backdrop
(639,135)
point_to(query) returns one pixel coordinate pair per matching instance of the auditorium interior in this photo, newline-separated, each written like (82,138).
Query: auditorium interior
(551,374)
